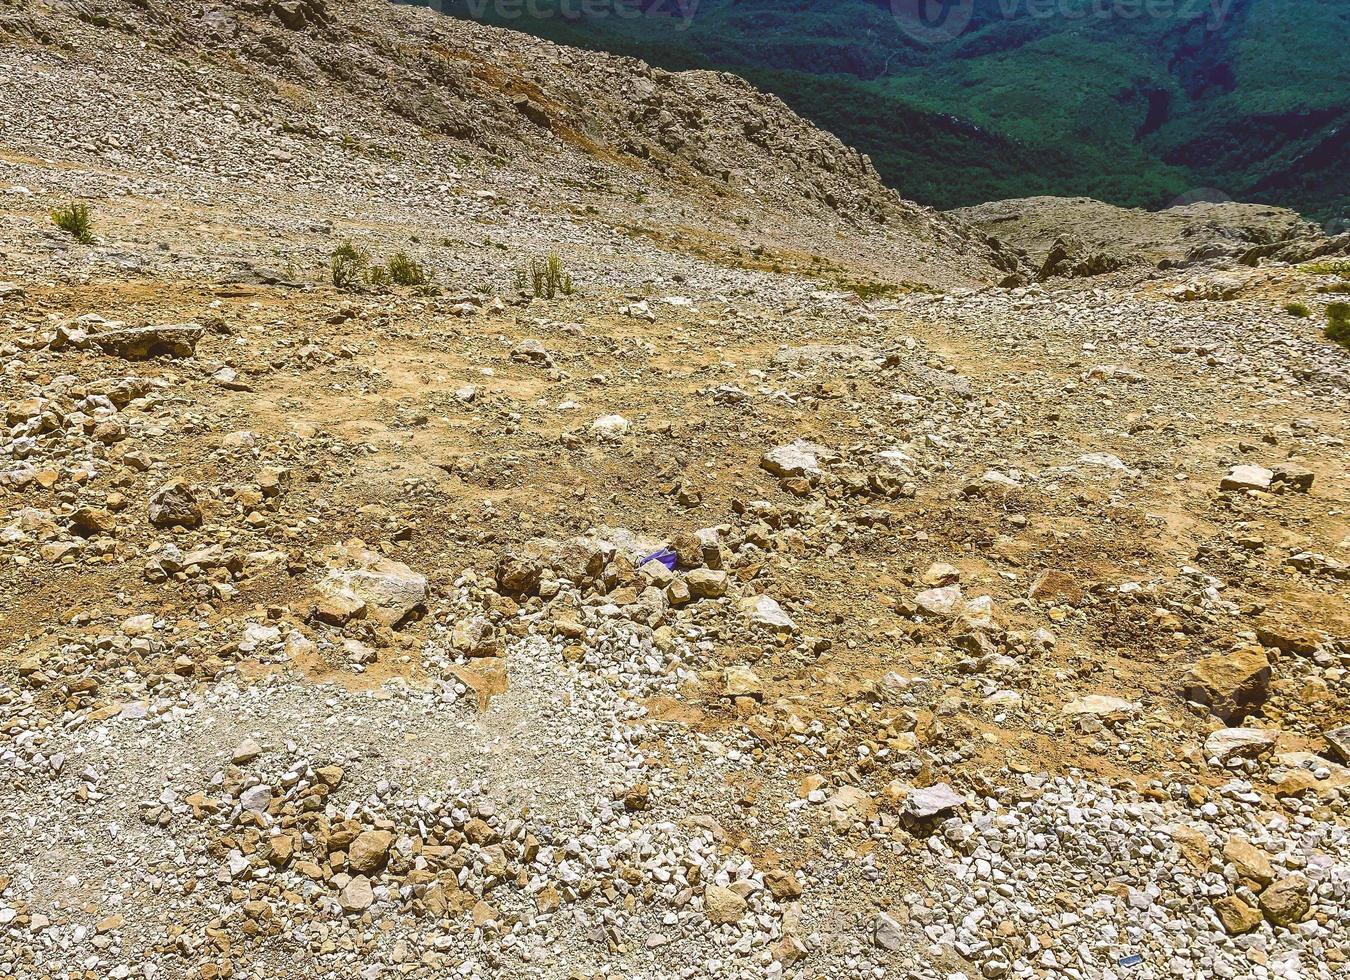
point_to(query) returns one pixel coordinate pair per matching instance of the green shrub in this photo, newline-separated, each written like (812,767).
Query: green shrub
(1338,324)
(1338,288)
(1297,309)
(405,271)
(75,220)
(378,278)
(1337,268)
(349,266)
(548,278)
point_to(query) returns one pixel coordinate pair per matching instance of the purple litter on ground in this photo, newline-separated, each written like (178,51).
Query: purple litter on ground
(665,556)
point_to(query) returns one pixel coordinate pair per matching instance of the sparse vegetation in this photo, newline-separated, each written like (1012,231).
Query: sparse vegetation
(1338,324)
(353,270)
(350,266)
(377,277)
(1297,309)
(75,220)
(1340,268)
(546,277)
(405,271)
(1335,289)
(868,291)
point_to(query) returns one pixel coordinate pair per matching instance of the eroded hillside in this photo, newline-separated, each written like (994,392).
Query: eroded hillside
(985,631)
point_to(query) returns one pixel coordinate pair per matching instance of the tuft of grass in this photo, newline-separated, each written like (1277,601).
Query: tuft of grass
(1338,289)
(75,220)
(405,271)
(547,277)
(1338,324)
(1297,309)
(350,265)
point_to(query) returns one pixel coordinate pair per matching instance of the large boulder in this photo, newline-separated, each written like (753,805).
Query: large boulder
(175,505)
(1232,685)
(143,343)
(800,458)
(367,585)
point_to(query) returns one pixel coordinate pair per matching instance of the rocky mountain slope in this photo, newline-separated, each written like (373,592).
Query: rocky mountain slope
(310,92)
(754,590)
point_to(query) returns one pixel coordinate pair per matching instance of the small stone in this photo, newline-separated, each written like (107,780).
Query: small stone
(1285,903)
(1338,741)
(888,933)
(245,752)
(1247,477)
(797,459)
(945,602)
(705,583)
(89,521)
(1103,707)
(1244,743)
(940,574)
(1251,862)
(637,798)
(722,905)
(742,682)
(1194,846)
(610,428)
(367,854)
(932,801)
(1297,478)
(783,884)
(175,505)
(1058,588)
(1236,915)
(357,896)
(256,798)
(142,343)
(766,613)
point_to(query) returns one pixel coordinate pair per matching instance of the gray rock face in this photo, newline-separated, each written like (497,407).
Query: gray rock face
(1243,743)
(932,801)
(765,613)
(800,458)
